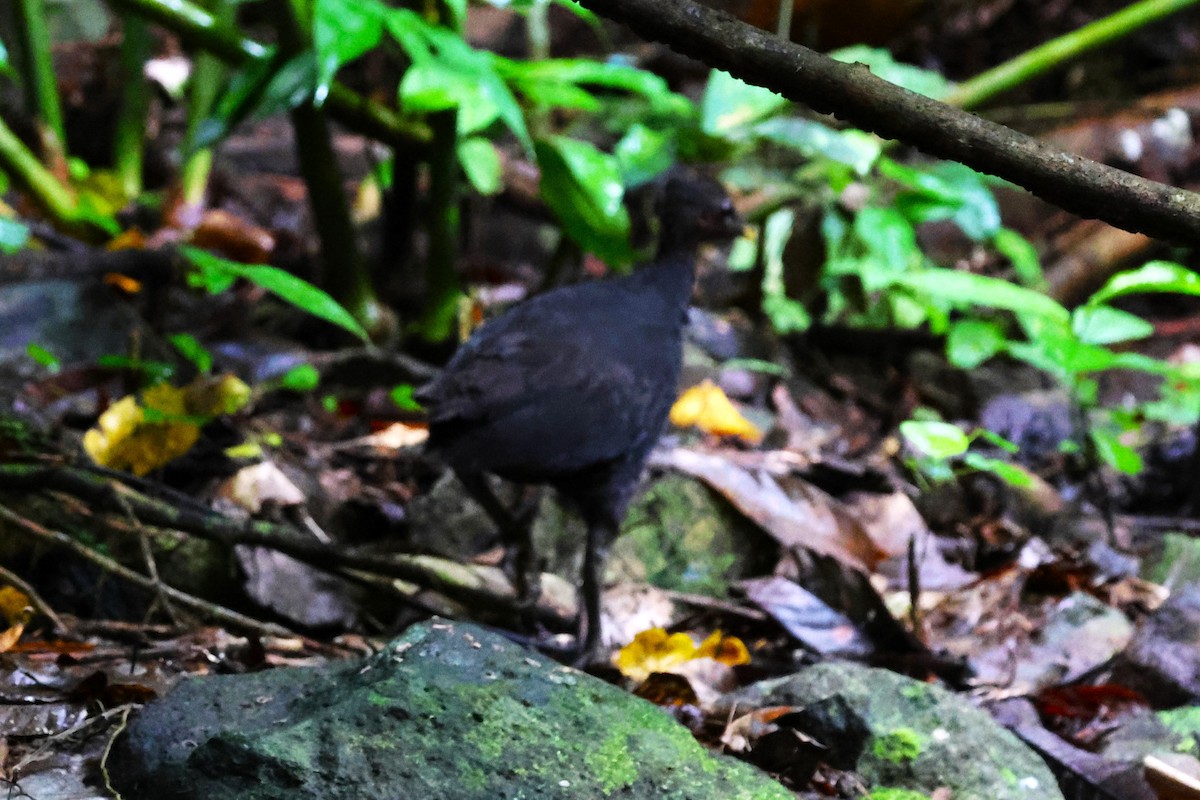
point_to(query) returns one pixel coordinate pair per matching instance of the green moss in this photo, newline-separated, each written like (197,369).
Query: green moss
(900,746)
(611,763)
(889,793)
(1185,723)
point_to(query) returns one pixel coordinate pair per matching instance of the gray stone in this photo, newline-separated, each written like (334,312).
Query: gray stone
(922,737)
(448,711)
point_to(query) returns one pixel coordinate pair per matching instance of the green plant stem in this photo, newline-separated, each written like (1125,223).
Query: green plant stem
(39,78)
(128,144)
(344,270)
(204,30)
(207,76)
(54,199)
(1050,55)
(442,288)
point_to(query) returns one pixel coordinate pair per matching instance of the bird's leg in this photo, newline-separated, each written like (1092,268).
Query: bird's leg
(599,536)
(516,530)
(522,561)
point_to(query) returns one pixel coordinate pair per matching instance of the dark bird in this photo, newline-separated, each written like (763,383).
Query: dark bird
(572,388)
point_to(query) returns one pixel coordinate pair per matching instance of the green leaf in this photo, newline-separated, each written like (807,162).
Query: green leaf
(5,67)
(971,342)
(935,439)
(191,349)
(284,285)
(730,105)
(1101,324)
(480,163)
(643,154)
(535,76)
(891,245)
(856,149)
(13,235)
(300,378)
(1154,276)
(582,186)
(945,190)
(43,357)
(786,314)
(965,288)
(883,65)
(449,73)
(402,396)
(458,13)
(1023,256)
(153,372)
(1115,453)
(343,30)
(262,88)
(1009,473)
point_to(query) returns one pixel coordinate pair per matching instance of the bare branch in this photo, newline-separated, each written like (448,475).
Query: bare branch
(851,93)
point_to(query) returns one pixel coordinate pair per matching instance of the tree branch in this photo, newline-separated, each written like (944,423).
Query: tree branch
(851,93)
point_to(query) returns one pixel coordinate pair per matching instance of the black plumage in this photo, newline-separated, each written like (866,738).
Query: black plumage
(572,388)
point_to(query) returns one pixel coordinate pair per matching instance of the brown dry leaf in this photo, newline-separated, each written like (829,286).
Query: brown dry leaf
(708,408)
(233,237)
(122,283)
(15,612)
(741,733)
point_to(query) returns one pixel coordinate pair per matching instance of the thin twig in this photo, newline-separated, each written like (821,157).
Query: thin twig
(210,610)
(35,599)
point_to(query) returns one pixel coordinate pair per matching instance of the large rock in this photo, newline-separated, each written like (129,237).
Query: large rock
(920,737)
(448,711)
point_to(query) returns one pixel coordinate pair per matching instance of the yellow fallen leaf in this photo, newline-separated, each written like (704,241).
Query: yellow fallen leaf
(142,437)
(708,408)
(728,650)
(655,650)
(15,612)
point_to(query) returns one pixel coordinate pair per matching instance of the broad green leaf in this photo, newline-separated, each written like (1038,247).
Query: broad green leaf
(995,439)
(190,348)
(965,288)
(343,30)
(731,105)
(216,271)
(402,396)
(585,72)
(451,73)
(935,439)
(856,149)
(13,235)
(262,88)
(458,13)
(891,245)
(480,163)
(1101,324)
(883,65)
(1009,473)
(971,342)
(1154,276)
(1115,453)
(786,314)
(5,67)
(43,357)
(945,190)
(582,186)
(643,154)
(300,378)
(1023,256)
